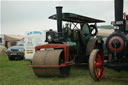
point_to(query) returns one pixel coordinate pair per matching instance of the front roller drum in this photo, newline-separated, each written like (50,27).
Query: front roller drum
(96,61)
(48,63)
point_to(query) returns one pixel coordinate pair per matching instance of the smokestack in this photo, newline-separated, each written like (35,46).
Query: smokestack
(118,10)
(119,13)
(59,19)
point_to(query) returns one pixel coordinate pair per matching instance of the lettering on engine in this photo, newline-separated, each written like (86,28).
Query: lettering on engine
(117,23)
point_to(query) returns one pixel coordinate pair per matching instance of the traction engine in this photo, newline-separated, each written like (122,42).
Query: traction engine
(116,44)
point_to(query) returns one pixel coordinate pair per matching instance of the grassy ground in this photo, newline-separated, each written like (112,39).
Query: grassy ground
(19,73)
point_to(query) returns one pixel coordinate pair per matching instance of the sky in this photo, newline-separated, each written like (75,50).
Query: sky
(18,17)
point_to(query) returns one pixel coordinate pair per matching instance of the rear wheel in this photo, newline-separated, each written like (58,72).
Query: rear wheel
(96,61)
(22,58)
(64,71)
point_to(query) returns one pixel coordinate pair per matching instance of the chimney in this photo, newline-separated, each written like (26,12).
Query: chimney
(59,19)
(119,12)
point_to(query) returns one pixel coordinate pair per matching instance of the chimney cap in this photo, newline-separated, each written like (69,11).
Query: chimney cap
(59,7)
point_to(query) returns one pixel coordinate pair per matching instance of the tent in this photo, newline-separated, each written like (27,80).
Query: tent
(11,37)
(3,50)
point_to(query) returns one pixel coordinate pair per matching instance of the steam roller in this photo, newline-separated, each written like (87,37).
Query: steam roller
(69,45)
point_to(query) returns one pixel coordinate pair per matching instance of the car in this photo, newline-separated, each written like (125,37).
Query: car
(16,52)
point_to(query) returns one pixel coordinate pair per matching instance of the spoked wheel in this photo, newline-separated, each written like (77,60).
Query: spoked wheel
(96,61)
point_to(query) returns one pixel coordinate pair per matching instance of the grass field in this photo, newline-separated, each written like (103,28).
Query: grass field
(19,73)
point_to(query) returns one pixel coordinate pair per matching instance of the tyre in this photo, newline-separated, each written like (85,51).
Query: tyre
(11,58)
(96,67)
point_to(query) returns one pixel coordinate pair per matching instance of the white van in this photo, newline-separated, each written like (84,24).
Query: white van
(32,39)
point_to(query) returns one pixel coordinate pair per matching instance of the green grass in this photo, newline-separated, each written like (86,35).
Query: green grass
(20,73)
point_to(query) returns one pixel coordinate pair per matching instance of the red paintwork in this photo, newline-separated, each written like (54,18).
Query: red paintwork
(70,33)
(99,69)
(63,46)
(73,30)
(50,66)
(121,41)
(127,17)
(6,44)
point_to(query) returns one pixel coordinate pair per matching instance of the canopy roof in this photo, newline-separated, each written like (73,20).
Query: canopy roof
(11,37)
(71,17)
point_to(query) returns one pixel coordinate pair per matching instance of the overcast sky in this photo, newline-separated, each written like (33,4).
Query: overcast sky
(18,16)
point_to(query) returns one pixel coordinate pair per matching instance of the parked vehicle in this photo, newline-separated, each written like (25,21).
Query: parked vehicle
(72,43)
(116,47)
(2,40)
(32,39)
(16,52)
(9,40)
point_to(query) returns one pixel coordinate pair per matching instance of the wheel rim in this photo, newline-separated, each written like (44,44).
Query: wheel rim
(98,65)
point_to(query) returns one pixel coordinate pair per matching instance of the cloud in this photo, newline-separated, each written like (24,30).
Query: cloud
(18,12)
(20,16)
(21,28)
